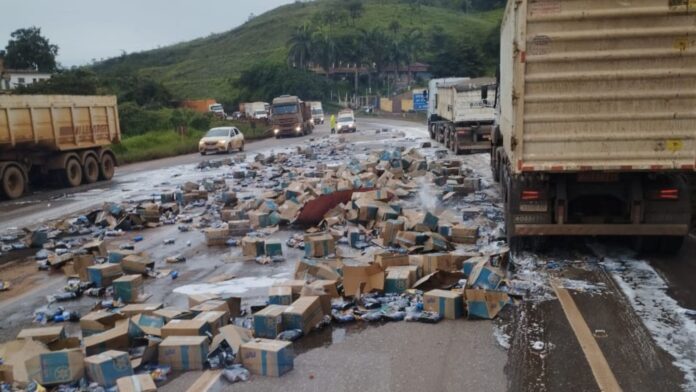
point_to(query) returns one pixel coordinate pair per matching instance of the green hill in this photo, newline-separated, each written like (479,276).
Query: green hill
(206,66)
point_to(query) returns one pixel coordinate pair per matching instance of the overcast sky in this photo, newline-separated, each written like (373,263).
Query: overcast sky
(95,29)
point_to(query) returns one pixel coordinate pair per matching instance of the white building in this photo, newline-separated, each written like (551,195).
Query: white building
(13,78)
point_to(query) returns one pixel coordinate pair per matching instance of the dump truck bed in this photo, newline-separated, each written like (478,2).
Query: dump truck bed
(464,102)
(599,85)
(57,122)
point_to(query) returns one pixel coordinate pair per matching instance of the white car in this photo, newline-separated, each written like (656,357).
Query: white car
(346,122)
(223,139)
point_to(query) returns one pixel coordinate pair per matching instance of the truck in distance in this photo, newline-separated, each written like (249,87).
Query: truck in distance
(67,137)
(597,123)
(317,112)
(464,114)
(290,116)
(205,106)
(256,110)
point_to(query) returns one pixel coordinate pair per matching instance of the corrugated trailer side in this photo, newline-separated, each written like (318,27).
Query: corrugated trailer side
(68,136)
(597,122)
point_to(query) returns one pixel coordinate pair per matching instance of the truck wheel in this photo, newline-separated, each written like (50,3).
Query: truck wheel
(494,164)
(107,167)
(72,174)
(13,183)
(90,170)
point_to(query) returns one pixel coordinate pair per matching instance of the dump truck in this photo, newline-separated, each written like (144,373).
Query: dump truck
(290,116)
(317,112)
(464,115)
(596,120)
(434,86)
(66,137)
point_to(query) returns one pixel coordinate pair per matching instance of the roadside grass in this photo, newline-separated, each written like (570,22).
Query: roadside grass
(168,143)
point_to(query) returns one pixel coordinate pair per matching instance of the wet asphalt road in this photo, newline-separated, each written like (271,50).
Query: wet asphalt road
(450,356)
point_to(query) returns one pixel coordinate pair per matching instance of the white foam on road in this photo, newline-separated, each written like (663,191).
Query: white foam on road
(668,323)
(234,286)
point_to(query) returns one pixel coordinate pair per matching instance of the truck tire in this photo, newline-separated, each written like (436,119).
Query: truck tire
(90,170)
(107,166)
(13,182)
(72,173)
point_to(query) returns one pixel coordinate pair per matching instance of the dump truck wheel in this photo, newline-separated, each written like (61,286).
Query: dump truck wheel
(107,167)
(90,170)
(72,174)
(13,182)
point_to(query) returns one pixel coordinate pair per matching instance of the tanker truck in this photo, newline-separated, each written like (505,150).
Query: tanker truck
(64,137)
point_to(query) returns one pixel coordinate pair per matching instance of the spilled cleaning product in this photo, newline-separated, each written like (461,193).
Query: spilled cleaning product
(668,323)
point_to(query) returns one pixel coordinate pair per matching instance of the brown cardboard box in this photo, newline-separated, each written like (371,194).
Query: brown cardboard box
(197,299)
(215,319)
(195,327)
(57,367)
(465,234)
(14,355)
(306,269)
(137,264)
(107,367)
(400,278)
(98,321)
(324,298)
(319,245)
(280,295)
(268,322)
(172,313)
(115,338)
(436,262)
(447,304)
(212,305)
(252,247)
(129,288)
(96,248)
(44,335)
(103,275)
(80,264)
(391,228)
(184,352)
(133,309)
(304,314)
(363,279)
(150,324)
(234,336)
(217,237)
(265,357)
(328,286)
(386,260)
(136,383)
(239,228)
(296,286)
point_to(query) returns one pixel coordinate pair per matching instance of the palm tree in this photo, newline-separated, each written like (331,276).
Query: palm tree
(355,9)
(323,48)
(412,43)
(300,44)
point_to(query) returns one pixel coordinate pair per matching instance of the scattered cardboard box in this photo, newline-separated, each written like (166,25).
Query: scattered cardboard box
(14,356)
(103,275)
(265,357)
(362,279)
(268,322)
(98,321)
(137,264)
(58,367)
(136,383)
(447,304)
(485,304)
(280,295)
(303,314)
(129,288)
(133,309)
(184,353)
(194,327)
(150,324)
(106,368)
(44,335)
(216,319)
(252,247)
(319,245)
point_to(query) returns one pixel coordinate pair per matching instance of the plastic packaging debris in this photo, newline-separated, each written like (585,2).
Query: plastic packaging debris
(343,317)
(138,238)
(290,335)
(175,259)
(169,241)
(62,297)
(127,247)
(372,316)
(174,274)
(160,373)
(235,374)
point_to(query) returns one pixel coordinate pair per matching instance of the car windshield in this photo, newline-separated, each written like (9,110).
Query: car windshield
(345,119)
(317,111)
(217,132)
(288,108)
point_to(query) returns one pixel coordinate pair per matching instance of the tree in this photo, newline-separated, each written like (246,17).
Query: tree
(28,49)
(457,58)
(355,9)
(324,48)
(265,81)
(394,26)
(300,44)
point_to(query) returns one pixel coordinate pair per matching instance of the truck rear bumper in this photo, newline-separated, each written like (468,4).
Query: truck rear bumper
(601,230)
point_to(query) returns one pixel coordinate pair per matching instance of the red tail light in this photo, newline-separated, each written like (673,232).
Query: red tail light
(530,195)
(669,194)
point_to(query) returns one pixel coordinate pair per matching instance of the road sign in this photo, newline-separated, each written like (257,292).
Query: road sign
(420,100)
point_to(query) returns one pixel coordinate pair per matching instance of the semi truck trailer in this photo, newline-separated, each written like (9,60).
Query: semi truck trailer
(66,137)
(597,119)
(464,115)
